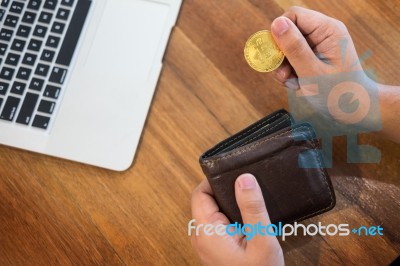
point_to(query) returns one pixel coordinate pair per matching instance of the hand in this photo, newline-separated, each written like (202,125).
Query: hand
(316,45)
(234,250)
(311,42)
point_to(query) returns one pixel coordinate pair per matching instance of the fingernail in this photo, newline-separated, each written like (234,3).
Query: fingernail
(247,181)
(280,26)
(292,84)
(281,73)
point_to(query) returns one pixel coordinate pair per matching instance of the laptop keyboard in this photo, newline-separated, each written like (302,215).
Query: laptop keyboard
(37,42)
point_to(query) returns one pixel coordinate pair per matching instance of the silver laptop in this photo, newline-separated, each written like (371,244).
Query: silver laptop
(77,76)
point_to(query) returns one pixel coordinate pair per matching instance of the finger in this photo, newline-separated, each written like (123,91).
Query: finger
(295,47)
(292,83)
(250,200)
(315,26)
(207,245)
(252,206)
(205,211)
(204,207)
(284,72)
(306,20)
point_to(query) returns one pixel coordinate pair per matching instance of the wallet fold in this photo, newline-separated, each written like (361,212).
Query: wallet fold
(284,157)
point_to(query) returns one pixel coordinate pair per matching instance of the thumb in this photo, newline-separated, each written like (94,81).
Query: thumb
(252,208)
(295,47)
(250,200)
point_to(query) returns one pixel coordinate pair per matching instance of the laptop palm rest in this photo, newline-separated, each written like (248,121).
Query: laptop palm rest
(136,40)
(110,90)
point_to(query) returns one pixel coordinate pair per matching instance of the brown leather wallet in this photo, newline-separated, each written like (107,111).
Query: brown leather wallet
(285,159)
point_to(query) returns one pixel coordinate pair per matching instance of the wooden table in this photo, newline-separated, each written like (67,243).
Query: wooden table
(54,211)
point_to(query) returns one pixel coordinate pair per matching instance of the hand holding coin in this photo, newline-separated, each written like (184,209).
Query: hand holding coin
(262,53)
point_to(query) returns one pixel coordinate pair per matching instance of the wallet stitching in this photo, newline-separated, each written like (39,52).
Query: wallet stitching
(255,137)
(256,127)
(244,133)
(266,140)
(242,150)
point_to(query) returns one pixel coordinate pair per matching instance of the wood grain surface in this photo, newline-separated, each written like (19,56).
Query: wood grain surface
(58,212)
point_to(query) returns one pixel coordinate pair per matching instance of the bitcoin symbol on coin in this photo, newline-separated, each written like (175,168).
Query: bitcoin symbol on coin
(262,53)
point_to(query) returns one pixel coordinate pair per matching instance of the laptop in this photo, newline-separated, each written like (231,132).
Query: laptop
(77,76)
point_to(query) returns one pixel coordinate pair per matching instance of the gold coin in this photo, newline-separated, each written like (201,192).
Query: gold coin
(262,53)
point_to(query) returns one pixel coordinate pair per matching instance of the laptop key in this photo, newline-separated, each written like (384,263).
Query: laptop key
(29,59)
(52,41)
(63,14)
(67,2)
(3,88)
(58,27)
(45,17)
(42,70)
(18,45)
(40,31)
(74,31)
(18,88)
(23,31)
(52,91)
(34,4)
(27,108)
(34,45)
(46,106)
(3,48)
(6,35)
(10,108)
(50,4)
(47,55)
(41,121)
(58,75)
(29,17)
(5,3)
(17,7)
(11,21)
(7,73)
(24,73)
(1,101)
(2,13)
(12,59)
(36,84)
